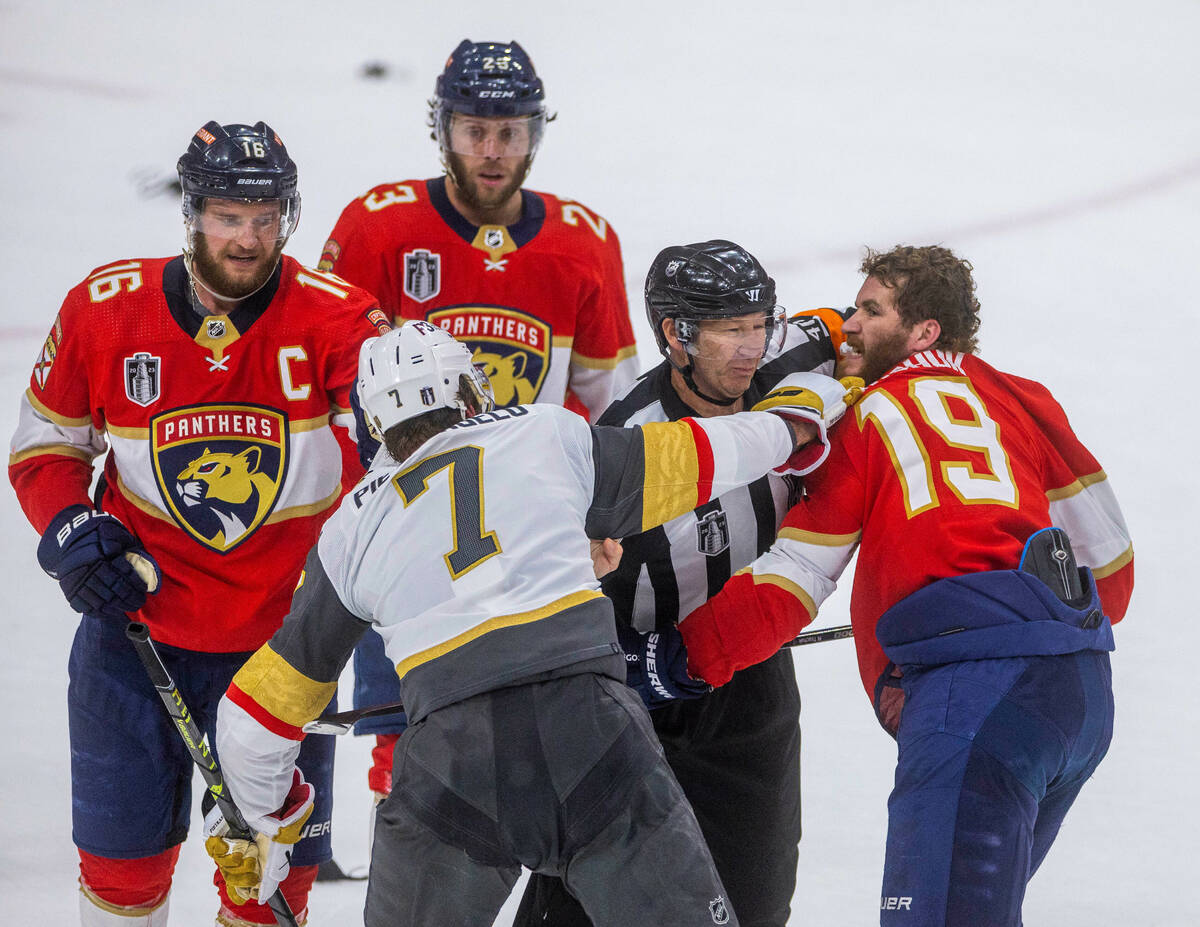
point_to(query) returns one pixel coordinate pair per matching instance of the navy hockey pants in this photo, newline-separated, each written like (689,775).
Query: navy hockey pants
(131,772)
(376,683)
(992,754)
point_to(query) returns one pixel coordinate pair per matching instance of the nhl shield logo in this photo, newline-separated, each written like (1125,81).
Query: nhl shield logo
(220,468)
(718,910)
(422,274)
(712,533)
(143,378)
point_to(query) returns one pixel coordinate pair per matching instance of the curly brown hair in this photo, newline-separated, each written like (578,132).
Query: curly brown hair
(931,283)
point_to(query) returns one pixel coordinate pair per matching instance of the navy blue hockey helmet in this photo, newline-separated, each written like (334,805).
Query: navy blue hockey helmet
(708,280)
(239,162)
(490,79)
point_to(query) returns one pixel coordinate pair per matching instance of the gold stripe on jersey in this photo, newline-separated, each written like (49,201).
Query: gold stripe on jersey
(672,471)
(130,434)
(281,689)
(820,540)
(308,424)
(57,419)
(62,450)
(1072,489)
(795,590)
(141,504)
(602,363)
(493,624)
(301,511)
(1113,565)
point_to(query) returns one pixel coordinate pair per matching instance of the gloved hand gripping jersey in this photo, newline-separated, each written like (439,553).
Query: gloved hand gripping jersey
(656,666)
(816,399)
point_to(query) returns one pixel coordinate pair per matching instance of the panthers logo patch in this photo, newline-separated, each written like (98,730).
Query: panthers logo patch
(512,347)
(220,468)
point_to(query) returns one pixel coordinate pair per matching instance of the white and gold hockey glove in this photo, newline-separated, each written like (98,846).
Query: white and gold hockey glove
(816,399)
(253,869)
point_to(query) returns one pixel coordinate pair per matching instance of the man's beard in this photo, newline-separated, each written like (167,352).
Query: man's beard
(885,355)
(213,278)
(468,189)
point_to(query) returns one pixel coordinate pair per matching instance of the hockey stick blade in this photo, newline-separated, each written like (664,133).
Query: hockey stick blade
(343,721)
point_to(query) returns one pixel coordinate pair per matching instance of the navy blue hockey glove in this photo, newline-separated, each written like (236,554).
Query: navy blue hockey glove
(102,568)
(368,447)
(656,667)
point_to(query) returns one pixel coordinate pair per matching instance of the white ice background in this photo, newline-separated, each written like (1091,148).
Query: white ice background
(1056,144)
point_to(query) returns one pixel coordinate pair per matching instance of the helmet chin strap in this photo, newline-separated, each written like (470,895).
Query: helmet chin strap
(686,373)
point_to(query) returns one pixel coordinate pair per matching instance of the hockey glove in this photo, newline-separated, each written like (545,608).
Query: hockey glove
(102,568)
(253,869)
(816,399)
(368,446)
(656,667)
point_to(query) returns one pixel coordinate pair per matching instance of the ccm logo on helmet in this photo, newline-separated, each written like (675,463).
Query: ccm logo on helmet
(496,94)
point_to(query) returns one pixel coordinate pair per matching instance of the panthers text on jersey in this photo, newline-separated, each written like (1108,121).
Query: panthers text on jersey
(223,461)
(540,303)
(945,467)
(493,585)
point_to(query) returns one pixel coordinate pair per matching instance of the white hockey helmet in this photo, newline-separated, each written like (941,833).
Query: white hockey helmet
(415,369)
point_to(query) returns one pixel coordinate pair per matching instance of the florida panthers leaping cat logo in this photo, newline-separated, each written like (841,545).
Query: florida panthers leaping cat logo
(231,487)
(220,469)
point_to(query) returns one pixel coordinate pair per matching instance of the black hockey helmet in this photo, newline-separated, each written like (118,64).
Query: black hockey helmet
(707,280)
(239,162)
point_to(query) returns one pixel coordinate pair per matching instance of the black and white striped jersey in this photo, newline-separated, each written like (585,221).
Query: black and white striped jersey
(668,571)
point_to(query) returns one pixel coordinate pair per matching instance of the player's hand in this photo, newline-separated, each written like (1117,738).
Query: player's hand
(812,404)
(102,568)
(253,869)
(606,556)
(368,445)
(656,667)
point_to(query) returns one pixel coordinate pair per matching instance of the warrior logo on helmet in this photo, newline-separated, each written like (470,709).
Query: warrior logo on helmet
(220,468)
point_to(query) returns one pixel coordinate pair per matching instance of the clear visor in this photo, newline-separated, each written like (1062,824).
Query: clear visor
(491,137)
(743,336)
(264,222)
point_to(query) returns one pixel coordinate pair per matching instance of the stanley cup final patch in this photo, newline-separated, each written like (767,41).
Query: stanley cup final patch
(422,274)
(712,533)
(143,378)
(220,468)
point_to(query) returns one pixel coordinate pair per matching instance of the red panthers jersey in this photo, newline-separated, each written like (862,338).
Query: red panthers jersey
(944,467)
(541,304)
(223,461)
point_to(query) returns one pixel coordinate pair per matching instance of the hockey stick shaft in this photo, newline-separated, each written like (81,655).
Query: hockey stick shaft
(822,635)
(161,679)
(343,721)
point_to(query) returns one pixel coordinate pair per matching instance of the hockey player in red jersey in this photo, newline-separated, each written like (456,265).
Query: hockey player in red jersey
(982,646)
(212,379)
(530,282)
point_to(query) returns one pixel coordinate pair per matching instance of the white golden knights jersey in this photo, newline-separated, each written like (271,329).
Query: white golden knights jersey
(541,303)
(670,570)
(475,575)
(223,461)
